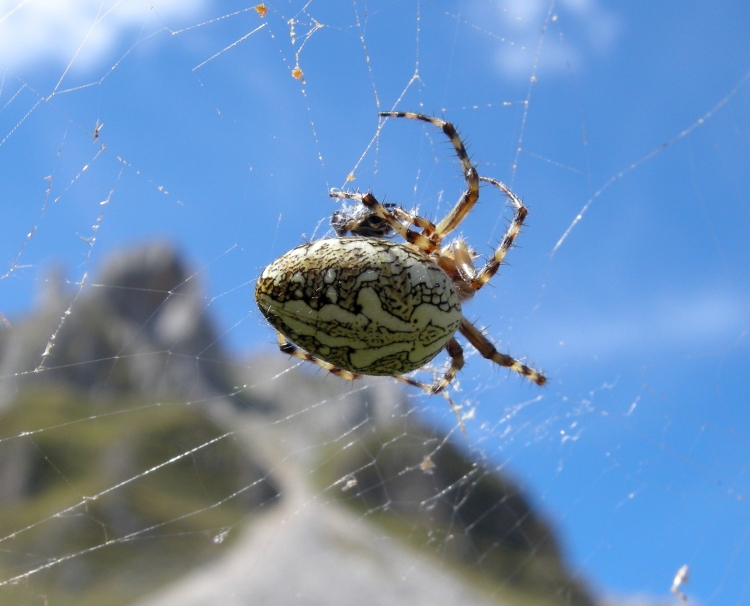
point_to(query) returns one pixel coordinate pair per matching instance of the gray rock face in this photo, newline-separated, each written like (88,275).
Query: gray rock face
(140,326)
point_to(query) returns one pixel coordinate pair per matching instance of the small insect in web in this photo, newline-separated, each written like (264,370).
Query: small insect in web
(359,220)
(365,305)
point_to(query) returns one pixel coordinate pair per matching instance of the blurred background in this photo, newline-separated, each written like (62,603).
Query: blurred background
(155,156)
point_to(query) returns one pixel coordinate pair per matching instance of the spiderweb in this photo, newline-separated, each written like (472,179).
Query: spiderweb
(157,449)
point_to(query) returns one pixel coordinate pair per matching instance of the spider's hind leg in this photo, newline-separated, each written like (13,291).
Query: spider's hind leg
(456,354)
(488,350)
(290,348)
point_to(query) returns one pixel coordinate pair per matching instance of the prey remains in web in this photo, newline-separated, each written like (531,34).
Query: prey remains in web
(366,305)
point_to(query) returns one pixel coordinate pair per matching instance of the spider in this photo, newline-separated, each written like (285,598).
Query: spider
(364,305)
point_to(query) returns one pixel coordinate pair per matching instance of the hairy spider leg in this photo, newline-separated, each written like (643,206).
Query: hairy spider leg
(485,347)
(453,348)
(471,195)
(427,227)
(290,348)
(490,268)
(456,353)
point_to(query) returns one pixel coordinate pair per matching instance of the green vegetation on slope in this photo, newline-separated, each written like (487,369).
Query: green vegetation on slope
(147,525)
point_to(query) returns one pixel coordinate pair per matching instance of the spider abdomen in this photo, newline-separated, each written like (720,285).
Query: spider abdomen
(367,305)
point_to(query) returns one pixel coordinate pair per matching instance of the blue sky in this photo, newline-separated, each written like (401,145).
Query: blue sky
(638,448)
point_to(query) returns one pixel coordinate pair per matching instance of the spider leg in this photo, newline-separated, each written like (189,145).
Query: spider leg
(376,207)
(427,227)
(457,362)
(290,348)
(490,269)
(488,350)
(471,195)
(453,348)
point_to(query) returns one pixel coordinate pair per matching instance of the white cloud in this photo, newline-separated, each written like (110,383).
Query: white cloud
(53,31)
(578,30)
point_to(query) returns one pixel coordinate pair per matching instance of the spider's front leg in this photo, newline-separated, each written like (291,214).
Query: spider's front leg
(290,348)
(471,195)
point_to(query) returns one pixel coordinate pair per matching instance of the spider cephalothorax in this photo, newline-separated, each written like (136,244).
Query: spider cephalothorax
(365,305)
